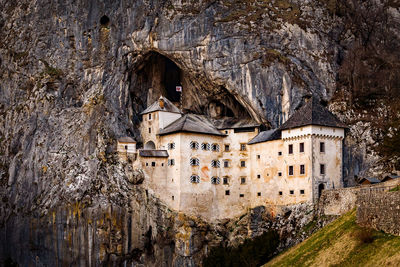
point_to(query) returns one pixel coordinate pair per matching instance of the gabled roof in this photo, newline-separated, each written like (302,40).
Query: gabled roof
(265,136)
(191,123)
(390,177)
(234,123)
(312,113)
(370,179)
(153,153)
(126,139)
(168,106)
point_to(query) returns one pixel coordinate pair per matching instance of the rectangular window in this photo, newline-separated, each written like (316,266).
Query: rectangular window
(290,149)
(301,147)
(279,174)
(226,132)
(280,193)
(322,169)
(153,164)
(243,180)
(291,192)
(241,195)
(172,197)
(149,117)
(242,163)
(171,146)
(258,156)
(126,147)
(259,194)
(149,130)
(290,170)
(147,164)
(258,176)
(171,162)
(225,180)
(280,153)
(242,147)
(302,192)
(226,147)
(227,192)
(322,147)
(226,163)
(302,169)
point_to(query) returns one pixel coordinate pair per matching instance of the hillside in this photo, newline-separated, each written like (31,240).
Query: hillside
(343,243)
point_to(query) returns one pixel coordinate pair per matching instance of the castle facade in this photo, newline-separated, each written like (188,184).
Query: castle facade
(219,169)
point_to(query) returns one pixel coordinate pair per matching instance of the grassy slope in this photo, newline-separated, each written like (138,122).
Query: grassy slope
(343,243)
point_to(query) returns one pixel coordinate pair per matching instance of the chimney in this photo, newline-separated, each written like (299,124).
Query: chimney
(161,102)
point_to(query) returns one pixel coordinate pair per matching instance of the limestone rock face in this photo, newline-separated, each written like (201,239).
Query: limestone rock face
(74,77)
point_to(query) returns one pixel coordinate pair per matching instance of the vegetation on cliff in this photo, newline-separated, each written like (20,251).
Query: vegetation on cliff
(343,243)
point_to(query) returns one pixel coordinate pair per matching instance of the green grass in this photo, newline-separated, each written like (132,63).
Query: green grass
(397,188)
(343,243)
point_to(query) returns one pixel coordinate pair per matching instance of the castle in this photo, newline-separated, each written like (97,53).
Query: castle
(219,169)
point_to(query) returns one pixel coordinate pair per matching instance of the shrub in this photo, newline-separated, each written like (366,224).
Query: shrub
(253,252)
(365,236)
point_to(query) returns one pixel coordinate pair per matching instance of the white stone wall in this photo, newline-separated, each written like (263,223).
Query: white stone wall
(126,147)
(313,130)
(263,164)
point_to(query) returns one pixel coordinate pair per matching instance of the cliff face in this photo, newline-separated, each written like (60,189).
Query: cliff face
(75,75)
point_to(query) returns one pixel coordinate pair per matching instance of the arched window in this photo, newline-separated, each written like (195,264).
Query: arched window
(215,147)
(215,180)
(215,164)
(205,146)
(150,145)
(194,162)
(194,145)
(171,146)
(195,179)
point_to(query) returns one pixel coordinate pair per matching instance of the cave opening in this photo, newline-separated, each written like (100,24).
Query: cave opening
(104,20)
(155,75)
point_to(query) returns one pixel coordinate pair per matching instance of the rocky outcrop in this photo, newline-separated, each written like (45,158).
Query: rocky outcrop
(74,77)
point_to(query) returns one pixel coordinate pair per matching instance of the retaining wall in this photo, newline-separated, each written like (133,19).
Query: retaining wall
(379,209)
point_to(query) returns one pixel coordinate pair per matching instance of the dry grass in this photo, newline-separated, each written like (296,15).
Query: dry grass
(343,243)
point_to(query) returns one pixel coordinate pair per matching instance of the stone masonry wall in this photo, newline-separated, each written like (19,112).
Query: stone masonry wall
(340,201)
(379,209)
(337,201)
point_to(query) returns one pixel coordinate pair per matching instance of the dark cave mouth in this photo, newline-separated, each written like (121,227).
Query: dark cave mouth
(157,75)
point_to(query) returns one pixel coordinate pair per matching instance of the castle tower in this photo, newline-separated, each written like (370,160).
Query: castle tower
(156,117)
(314,130)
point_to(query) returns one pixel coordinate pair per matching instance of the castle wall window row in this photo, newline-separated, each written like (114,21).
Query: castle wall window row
(215,164)
(171,146)
(195,179)
(322,169)
(205,146)
(194,145)
(322,147)
(226,163)
(242,147)
(194,162)
(215,180)
(301,147)
(215,147)
(291,172)
(302,169)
